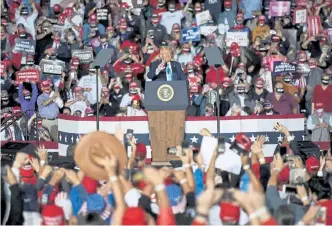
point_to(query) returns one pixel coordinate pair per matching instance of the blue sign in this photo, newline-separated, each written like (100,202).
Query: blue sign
(191,34)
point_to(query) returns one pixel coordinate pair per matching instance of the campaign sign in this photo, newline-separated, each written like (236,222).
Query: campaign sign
(279,8)
(300,16)
(25,46)
(54,67)
(241,37)
(191,34)
(30,75)
(303,69)
(2,68)
(280,67)
(314,25)
(203,17)
(85,55)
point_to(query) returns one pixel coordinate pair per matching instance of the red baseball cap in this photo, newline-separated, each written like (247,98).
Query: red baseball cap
(89,184)
(319,105)
(53,215)
(284,175)
(243,142)
(241,65)
(93,18)
(312,164)
(229,212)
(261,18)
(45,84)
(57,8)
(228,3)
(78,89)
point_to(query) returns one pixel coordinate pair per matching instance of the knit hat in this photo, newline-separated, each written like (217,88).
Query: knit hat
(89,184)
(53,215)
(134,216)
(312,164)
(229,212)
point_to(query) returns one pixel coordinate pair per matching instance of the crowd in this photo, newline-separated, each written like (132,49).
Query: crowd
(271,64)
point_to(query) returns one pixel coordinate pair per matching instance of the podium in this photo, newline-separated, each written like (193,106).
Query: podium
(166,104)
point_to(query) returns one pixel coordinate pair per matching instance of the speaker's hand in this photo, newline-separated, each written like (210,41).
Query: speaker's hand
(160,67)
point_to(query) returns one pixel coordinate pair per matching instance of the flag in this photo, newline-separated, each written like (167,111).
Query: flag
(70,129)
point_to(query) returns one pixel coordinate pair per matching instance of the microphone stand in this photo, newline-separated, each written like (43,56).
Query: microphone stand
(217,66)
(97,91)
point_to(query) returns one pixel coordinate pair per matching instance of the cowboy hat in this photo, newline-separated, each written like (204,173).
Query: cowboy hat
(96,146)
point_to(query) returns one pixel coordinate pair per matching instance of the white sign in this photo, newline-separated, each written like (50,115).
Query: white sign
(300,16)
(267,81)
(240,37)
(206,30)
(203,17)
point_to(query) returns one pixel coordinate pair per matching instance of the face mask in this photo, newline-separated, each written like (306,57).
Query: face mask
(268,110)
(47,90)
(71,38)
(57,39)
(155,21)
(239,22)
(227,9)
(240,91)
(325,82)
(185,50)
(171,9)
(128,61)
(92,72)
(4,101)
(176,30)
(23,35)
(30,63)
(259,86)
(261,24)
(312,65)
(198,9)
(190,71)
(287,80)
(280,90)
(161,4)
(319,112)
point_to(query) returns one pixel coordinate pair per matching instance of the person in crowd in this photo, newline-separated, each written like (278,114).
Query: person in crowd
(320,124)
(268,109)
(80,102)
(89,85)
(282,102)
(323,94)
(105,106)
(48,108)
(22,17)
(36,126)
(27,98)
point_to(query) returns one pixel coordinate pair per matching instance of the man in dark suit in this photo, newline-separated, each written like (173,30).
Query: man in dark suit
(165,69)
(105,45)
(61,48)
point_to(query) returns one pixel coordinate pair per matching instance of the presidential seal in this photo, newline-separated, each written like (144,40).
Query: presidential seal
(165,92)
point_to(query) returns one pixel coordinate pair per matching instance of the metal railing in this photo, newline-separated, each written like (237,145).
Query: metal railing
(17,116)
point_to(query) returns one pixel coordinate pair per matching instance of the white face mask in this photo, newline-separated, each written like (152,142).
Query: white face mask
(227,9)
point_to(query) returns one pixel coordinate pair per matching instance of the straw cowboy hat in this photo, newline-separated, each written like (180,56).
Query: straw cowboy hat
(96,146)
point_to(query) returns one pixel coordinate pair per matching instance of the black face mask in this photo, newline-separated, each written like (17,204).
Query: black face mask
(23,35)
(127,61)
(287,80)
(268,110)
(240,91)
(4,102)
(27,97)
(325,81)
(280,90)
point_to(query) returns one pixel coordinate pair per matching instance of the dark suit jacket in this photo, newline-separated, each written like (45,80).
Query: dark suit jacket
(63,52)
(178,74)
(109,46)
